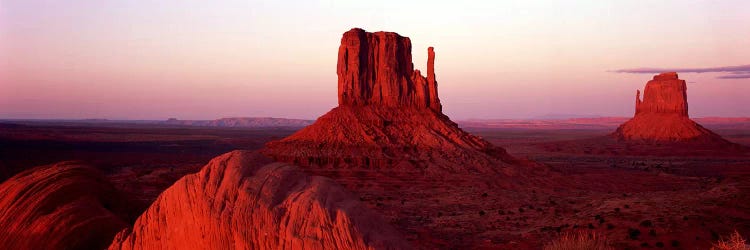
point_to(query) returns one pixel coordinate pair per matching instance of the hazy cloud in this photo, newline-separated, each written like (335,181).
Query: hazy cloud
(744,75)
(733,72)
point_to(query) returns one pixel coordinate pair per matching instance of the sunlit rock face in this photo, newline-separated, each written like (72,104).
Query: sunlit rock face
(242,200)
(665,94)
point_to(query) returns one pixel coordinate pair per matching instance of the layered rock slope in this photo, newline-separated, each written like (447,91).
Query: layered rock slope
(241,200)
(389,116)
(662,115)
(61,206)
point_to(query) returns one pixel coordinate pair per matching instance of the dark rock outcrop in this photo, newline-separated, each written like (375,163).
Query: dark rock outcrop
(61,206)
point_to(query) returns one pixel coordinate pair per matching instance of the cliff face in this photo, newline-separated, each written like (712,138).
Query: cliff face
(241,200)
(665,94)
(377,69)
(388,114)
(61,206)
(662,115)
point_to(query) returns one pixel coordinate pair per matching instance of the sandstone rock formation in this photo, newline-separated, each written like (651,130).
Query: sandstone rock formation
(241,200)
(376,69)
(665,94)
(663,114)
(389,116)
(62,206)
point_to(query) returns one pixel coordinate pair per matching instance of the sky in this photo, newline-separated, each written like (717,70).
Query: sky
(192,59)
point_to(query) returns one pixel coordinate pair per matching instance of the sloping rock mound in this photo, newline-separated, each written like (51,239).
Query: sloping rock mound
(389,115)
(61,206)
(241,200)
(386,137)
(663,115)
(665,127)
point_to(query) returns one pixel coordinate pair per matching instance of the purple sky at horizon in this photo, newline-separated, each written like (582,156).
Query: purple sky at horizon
(195,59)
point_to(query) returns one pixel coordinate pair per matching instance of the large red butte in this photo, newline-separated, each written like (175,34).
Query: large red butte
(389,116)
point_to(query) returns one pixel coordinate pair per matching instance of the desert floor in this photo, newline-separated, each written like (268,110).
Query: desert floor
(594,184)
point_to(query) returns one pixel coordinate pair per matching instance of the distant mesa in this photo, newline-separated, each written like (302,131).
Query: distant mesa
(60,206)
(241,122)
(389,115)
(242,200)
(662,115)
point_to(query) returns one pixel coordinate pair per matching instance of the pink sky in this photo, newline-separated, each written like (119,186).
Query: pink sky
(211,59)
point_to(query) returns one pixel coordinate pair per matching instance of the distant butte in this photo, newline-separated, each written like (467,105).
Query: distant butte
(662,115)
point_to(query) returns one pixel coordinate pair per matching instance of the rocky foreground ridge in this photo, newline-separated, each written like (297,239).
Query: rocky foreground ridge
(242,200)
(60,206)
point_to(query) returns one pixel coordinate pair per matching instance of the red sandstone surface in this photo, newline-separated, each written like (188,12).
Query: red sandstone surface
(61,206)
(662,115)
(241,200)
